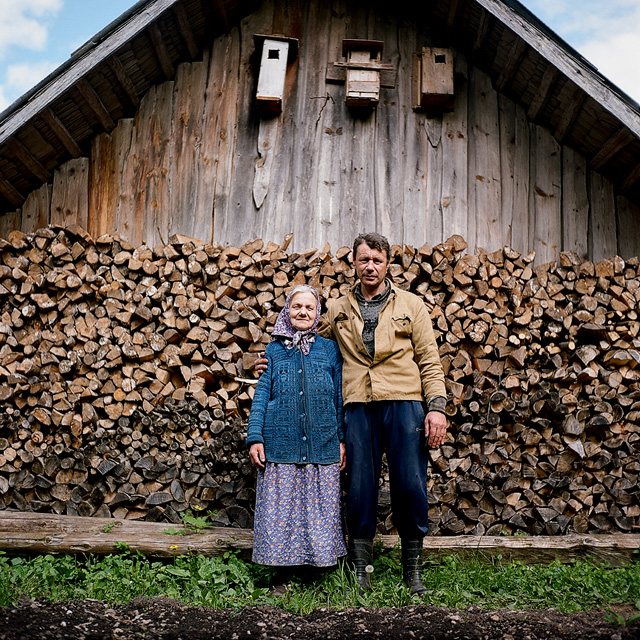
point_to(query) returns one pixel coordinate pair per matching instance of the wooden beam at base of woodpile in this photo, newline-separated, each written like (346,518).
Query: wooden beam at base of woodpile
(615,549)
(42,533)
(45,533)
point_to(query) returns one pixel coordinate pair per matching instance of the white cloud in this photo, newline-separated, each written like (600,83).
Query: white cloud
(23,23)
(22,77)
(616,57)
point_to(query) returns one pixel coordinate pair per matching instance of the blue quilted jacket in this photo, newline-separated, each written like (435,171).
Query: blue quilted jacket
(297,406)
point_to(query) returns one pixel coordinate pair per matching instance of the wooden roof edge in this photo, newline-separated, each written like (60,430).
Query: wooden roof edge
(97,50)
(568,61)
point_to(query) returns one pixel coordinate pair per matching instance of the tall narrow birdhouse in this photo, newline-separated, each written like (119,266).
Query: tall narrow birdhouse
(433,79)
(277,52)
(363,72)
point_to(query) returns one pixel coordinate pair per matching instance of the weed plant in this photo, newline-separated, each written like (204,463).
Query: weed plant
(229,582)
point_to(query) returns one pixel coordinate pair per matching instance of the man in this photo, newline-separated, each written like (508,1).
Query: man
(391,374)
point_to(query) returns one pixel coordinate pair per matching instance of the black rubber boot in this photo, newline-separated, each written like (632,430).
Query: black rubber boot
(412,566)
(361,552)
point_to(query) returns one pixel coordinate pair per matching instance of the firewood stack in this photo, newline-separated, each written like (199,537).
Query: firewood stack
(126,378)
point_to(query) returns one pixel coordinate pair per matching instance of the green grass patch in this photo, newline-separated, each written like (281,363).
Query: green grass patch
(229,582)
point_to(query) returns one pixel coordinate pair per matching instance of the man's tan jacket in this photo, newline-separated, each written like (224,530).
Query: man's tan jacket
(406,365)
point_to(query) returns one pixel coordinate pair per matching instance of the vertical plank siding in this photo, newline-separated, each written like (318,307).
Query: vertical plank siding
(199,159)
(545,213)
(70,194)
(485,229)
(575,203)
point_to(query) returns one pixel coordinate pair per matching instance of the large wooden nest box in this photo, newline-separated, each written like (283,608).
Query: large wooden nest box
(433,79)
(277,52)
(363,72)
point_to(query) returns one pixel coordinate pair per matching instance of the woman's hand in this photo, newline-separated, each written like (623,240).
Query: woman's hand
(343,456)
(256,454)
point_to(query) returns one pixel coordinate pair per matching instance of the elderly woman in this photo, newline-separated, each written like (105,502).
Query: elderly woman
(296,440)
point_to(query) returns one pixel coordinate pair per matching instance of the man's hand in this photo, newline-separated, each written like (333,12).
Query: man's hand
(435,428)
(343,456)
(256,453)
(261,363)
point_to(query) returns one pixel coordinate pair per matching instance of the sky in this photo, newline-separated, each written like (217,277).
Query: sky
(36,36)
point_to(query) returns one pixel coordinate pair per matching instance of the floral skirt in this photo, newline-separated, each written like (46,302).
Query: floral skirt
(297,518)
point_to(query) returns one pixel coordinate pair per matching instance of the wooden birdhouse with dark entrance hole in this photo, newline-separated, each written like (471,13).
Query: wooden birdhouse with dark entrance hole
(276,53)
(363,72)
(433,79)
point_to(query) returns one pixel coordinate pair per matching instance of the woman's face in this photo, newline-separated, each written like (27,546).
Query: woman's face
(302,310)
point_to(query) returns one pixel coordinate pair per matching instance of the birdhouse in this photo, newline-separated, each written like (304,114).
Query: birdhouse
(277,52)
(363,71)
(433,79)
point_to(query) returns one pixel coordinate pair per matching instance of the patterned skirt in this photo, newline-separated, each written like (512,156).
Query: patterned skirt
(297,518)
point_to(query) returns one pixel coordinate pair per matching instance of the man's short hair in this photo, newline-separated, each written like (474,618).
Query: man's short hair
(373,241)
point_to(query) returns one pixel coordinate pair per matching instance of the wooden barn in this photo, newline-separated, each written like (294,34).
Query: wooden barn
(231,120)
(162,189)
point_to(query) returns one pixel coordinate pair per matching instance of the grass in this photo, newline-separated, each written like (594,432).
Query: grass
(229,582)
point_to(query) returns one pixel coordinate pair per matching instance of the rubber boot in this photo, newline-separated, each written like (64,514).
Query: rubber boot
(361,551)
(412,566)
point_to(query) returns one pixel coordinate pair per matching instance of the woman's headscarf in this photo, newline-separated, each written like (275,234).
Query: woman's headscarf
(284,328)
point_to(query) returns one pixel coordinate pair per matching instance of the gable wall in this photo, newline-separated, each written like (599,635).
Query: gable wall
(198,159)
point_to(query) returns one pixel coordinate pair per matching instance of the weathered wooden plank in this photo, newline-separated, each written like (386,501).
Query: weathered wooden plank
(185,155)
(298,186)
(514,173)
(603,241)
(24,532)
(120,198)
(36,209)
(333,146)
(455,152)
(235,216)
(434,172)
(70,194)
(545,217)
(143,212)
(219,133)
(158,217)
(407,158)
(102,218)
(629,228)
(266,150)
(575,203)
(614,549)
(395,167)
(485,207)
(35,533)
(9,222)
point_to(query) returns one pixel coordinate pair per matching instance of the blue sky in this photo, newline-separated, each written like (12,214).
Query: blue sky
(36,36)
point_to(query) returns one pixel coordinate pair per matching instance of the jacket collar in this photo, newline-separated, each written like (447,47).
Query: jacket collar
(352,291)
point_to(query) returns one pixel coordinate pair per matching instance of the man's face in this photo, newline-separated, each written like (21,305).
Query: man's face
(371,266)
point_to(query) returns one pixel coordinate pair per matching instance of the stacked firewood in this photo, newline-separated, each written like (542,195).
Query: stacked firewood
(126,378)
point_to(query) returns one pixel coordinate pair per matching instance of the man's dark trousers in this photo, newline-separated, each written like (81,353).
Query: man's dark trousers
(396,427)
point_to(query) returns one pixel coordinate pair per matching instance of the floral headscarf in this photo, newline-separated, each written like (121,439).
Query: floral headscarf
(284,328)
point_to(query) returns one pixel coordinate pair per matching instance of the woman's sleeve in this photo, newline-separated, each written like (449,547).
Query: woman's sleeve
(261,398)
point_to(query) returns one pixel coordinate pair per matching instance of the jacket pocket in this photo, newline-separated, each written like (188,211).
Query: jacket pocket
(402,326)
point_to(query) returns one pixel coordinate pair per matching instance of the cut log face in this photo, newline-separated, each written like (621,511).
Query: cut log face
(126,379)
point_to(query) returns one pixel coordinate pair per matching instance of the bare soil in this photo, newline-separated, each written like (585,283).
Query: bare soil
(150,618)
